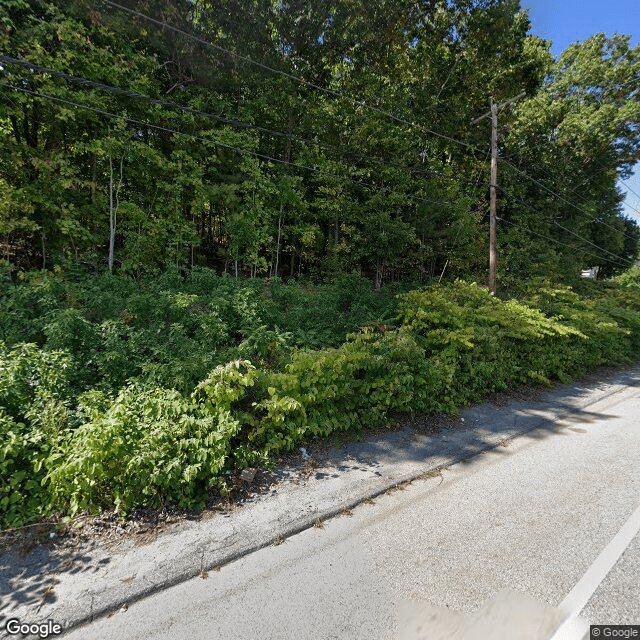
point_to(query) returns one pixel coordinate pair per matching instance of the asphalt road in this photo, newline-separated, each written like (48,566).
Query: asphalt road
(552,515)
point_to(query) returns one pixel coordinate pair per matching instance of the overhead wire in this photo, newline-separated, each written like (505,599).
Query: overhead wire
(551,191)
(572,204)
(320,88)
(455,240)
(301,81)
(588,177)
(511,164)
(290,76)
(599,222)
(617,260)
(541,235)
(223,119)
(234,148)
(219,144)
(538,146)
(295,78)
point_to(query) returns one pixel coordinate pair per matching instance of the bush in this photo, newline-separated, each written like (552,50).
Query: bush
(34,417)
(151,445)
(190,379)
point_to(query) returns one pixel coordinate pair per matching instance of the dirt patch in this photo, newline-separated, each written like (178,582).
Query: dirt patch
(523,393)
(601,374)
(141,527)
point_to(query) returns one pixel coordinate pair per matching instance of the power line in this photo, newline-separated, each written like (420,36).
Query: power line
(558,242)
(512,165)
(589,129)
(551,191)
(231,121)
(587,178)
(217,143)
(541,235)
(573,233)
(632,191)
(301,81)
(548,219)
(249,152)
(290,76)
(318,87)
(618,259)
(586,202)
(494,155)
(625,184)
(233,54)
(455,240)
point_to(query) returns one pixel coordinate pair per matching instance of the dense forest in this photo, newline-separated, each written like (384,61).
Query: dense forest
(227,228)
(265,138)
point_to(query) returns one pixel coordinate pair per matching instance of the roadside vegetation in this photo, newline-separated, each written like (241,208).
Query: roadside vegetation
(225,231)
(117,394)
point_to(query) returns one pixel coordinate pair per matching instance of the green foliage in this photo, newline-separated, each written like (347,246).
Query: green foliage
(34,416)
(489,343)
(170,331)
(151,445)
(146,381)
(31,378)
(70,446)
(77,186)
(629,278)
(21,497)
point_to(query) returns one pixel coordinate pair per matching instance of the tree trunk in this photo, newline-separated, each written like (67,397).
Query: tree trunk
(112,220)
(278,241)
(114,203)
(94,169)
(379,270)
(287,158)
(75,249)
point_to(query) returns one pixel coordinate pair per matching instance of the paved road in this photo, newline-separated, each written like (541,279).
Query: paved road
(532,517)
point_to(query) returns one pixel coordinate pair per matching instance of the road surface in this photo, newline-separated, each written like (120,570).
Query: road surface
(536,516)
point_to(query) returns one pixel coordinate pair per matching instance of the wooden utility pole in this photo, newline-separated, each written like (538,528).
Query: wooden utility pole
(493,253)
(493,257)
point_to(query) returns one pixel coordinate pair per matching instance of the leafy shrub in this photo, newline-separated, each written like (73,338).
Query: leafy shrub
(151,400)
(33,418)
(21,498)
(170,331)
(150,445)
(629,278)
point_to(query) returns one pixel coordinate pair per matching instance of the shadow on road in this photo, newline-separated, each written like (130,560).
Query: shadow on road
(28,576)
(422,439)
(28,579)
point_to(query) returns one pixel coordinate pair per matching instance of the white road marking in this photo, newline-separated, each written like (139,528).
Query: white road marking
(578,597)
(572,629)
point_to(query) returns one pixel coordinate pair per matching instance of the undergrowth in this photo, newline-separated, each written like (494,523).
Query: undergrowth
(116,394)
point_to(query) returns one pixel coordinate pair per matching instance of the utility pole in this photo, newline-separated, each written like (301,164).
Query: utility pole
(493,256)
(493,253)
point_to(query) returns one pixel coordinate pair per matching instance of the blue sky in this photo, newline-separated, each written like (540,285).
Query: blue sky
(567,21)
